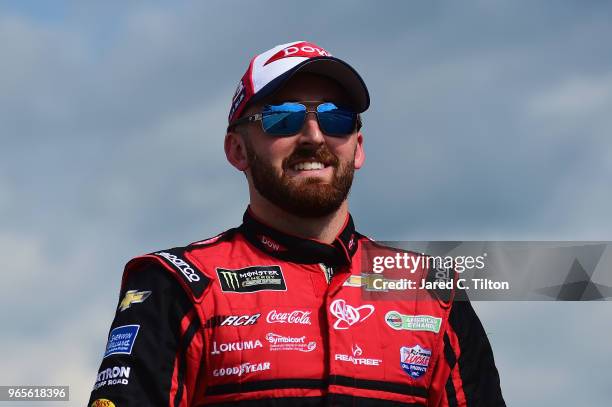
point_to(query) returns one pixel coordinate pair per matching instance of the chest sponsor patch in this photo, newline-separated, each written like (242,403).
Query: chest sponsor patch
(220,348)
(296,343)
(252,279)
(231,320)
(241,370)
(291,317)
(399,321)
(414,360)
(347,315)
(121,340)
(357,357)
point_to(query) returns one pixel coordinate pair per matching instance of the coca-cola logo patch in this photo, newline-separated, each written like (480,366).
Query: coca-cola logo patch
(298,317)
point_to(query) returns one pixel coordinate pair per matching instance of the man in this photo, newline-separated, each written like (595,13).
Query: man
(269,313)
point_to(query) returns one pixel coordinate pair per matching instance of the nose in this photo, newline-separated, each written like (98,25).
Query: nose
(311,132)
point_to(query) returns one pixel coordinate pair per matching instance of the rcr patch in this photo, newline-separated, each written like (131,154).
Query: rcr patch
(252,279)
(231,320)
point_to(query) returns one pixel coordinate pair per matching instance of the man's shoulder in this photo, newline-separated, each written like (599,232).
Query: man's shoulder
(184,262)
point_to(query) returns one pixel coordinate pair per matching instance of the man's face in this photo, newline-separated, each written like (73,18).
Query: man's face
(308,174)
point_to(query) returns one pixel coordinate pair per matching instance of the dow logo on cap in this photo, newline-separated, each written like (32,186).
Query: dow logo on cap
(302,49)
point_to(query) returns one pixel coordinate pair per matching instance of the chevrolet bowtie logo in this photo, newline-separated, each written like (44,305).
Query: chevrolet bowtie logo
(133,297)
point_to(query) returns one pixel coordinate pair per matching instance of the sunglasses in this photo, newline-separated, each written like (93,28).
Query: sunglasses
(287,119)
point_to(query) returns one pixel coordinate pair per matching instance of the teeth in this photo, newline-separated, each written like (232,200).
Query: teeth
(308,166)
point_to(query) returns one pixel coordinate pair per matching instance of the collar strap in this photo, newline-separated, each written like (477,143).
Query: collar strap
(297,249)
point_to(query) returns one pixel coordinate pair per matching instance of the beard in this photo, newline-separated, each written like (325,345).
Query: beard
(307,198)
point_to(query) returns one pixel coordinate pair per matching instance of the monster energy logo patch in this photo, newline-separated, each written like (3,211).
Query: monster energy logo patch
(399,321)
(251,279)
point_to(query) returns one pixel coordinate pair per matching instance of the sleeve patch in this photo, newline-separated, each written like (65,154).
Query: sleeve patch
(121,340)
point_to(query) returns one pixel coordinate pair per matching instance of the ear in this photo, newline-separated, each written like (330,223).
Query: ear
(235,150)
(359,152)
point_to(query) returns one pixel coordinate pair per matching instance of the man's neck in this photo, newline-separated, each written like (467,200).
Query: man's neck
(324,229)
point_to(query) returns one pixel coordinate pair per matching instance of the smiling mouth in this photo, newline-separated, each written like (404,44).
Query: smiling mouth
(308,166)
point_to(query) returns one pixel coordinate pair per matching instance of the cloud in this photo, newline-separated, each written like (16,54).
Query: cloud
(488,121)
(574,98)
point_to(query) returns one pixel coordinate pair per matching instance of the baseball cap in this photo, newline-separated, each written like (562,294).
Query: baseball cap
(269,70)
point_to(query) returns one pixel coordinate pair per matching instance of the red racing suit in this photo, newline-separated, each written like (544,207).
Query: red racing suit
(257,317)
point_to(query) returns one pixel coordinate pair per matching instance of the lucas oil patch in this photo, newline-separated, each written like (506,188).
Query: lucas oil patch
(414,360)
(121,340)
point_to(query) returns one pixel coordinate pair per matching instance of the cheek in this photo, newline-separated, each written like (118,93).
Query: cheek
(278,150)
(344,151)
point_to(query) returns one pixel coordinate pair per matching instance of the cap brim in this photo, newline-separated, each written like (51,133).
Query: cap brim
(331,67)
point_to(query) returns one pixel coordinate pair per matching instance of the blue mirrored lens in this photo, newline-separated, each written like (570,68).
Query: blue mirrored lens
(336,121)
(285,119)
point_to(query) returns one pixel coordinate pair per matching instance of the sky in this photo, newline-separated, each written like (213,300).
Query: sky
(489,121)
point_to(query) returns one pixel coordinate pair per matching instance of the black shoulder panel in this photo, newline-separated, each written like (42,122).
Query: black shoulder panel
(444,280)
(175,260)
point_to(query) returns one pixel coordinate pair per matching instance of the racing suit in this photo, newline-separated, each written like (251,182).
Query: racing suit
(258,317)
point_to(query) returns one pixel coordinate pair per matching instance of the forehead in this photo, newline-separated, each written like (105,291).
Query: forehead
(307,86)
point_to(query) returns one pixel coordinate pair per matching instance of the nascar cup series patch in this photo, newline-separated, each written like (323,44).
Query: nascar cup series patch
(414,360)
(252,279)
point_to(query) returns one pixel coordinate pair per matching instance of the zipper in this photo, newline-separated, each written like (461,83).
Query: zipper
(328,272)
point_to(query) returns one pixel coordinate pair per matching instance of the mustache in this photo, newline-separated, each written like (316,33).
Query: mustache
(322,155)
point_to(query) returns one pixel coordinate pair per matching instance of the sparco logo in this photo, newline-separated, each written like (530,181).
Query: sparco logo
(348,315)
(293,317)
(234,346)
(185,268)
(251,279)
